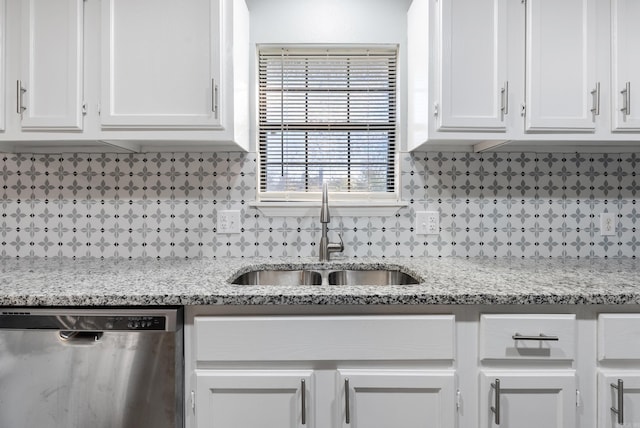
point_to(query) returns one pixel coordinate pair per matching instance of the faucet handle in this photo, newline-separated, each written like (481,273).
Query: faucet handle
(341,243)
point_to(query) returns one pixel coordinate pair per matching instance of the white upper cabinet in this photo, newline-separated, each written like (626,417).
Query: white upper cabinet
(49,90)
(472,72)
(625,67)
(560,65)
(3,30)
(533,73)
(126,75)
(161,63)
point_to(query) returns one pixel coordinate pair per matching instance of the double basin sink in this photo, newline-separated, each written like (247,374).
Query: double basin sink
(325,277)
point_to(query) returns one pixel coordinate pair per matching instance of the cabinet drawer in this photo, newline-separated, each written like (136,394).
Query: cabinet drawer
(539,337)
(619,337)
(290,338)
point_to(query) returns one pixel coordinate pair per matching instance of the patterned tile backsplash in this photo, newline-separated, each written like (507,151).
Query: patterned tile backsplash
(165,204)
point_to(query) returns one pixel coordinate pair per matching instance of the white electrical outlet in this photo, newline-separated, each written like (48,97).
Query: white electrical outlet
(607,224)
(228,222)
(428,223)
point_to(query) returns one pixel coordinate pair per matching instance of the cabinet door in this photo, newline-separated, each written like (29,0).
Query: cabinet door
(560,65)
(625,72)
(51,74)
(3,30)
(256,399)
(473,59)
(611,396)
(383,399)
(160,64)
(528,400)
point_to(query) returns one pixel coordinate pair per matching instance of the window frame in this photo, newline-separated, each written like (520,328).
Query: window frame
(384,203)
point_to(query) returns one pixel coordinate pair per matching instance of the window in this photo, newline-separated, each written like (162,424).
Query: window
(327,115)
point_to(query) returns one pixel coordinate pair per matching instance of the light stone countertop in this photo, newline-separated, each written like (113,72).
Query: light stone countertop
(122,282)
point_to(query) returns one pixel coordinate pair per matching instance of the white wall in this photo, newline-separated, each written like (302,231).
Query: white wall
(331,21)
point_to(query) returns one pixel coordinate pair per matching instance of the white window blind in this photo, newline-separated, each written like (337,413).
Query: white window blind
(327,115)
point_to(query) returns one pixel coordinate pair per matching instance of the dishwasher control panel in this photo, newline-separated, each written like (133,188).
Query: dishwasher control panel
(24,320)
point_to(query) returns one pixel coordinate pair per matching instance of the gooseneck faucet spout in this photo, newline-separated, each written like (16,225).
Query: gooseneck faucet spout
(326,247)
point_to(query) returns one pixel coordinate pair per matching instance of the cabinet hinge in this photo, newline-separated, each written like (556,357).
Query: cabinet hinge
(84,107)
(436,109)
(577,398)
(458,400)
(193,401)
(523,110)
(99,107)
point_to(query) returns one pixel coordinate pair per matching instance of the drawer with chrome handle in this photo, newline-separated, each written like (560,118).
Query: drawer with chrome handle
(527,336)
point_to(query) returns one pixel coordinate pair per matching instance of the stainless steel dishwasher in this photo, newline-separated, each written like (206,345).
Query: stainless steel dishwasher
(91,368)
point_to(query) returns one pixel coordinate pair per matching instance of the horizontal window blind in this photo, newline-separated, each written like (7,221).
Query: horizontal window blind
(327,115)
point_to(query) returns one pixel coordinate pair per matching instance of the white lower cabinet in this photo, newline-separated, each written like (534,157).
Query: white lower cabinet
(252,398)
(619,371)
(519,366)
(322,371)
(619,399)
(528,399)
(382,399)
(292,399)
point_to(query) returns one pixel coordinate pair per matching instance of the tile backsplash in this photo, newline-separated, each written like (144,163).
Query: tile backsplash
(165,204)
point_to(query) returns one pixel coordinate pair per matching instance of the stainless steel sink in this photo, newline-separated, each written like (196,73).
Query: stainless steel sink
(342,277)
(370,277)
(279,277)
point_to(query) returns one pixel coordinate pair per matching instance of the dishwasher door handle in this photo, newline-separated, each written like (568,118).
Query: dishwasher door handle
(79,337)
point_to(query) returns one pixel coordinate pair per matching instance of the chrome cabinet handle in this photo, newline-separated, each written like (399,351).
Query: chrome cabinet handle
(626,99)
(214,98)
(504,99)
(303,398)
(620,410)
(19,92)
(347,415)
(596,100)
(496,409)
(541,336)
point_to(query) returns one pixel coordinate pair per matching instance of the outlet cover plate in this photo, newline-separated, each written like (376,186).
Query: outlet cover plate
(428,223)
(228,221)
(607,224)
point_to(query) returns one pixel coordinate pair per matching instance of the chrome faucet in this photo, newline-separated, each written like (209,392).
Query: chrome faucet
(326,247)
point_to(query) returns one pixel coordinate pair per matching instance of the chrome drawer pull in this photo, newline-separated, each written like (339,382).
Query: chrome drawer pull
(620,410)
(541,336)
(20,90)
(303,390)
(626,99)
(496,409)
(596,100)
(504,99)
(347,415)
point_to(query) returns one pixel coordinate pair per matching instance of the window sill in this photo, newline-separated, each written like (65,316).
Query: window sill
(338,208)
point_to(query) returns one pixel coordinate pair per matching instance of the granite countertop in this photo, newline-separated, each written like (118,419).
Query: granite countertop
(121,282)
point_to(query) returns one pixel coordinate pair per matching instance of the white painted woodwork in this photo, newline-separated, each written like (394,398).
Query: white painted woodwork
(472,66)
(619,337)
(560,65)
(52,65)
(396,398)
(625,63)
(608,398)
(283,338)
(3,74)
(497,331)
(253,398)
(161,64)
(529,399)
